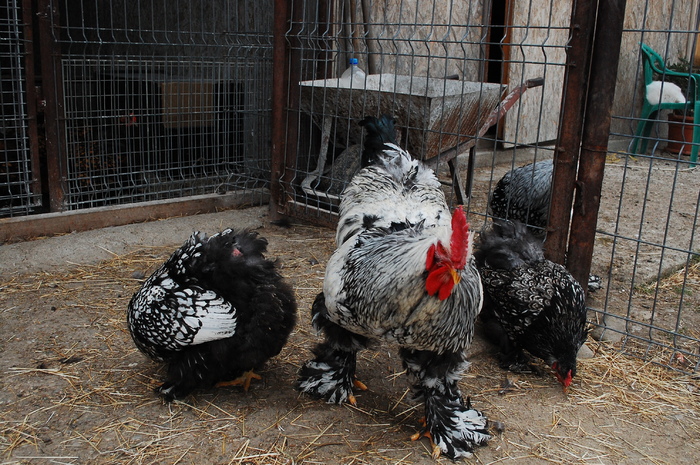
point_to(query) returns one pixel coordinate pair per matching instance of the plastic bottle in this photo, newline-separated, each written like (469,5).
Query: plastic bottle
(354,74)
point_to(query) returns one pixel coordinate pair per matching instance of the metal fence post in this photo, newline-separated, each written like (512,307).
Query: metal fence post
(596,130)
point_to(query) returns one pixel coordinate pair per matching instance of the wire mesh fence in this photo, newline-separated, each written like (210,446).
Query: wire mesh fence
(647,236)
(19,193)
(439,69)
(645,247)
(163,99)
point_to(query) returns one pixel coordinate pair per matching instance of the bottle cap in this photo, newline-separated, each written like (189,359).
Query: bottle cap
(353,61)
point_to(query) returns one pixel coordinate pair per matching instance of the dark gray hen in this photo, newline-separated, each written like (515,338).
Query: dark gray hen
(214,311)
(530,303)
(523,194)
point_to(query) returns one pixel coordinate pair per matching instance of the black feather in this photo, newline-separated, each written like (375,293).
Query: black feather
(379,132)
(537,303)
(507,245)
(214,310)
(524,194)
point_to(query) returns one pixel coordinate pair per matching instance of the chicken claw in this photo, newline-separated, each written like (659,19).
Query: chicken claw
(436,451)
(243,380)
(359,384)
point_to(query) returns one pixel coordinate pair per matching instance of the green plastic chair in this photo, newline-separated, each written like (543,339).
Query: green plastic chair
(653,63)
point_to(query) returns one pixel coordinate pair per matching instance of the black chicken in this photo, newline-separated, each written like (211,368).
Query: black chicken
(530,303)
(402,272)
(214,311)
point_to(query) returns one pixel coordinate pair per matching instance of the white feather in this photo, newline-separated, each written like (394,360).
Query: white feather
(664,92)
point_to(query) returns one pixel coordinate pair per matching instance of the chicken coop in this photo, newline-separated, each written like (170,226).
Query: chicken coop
(111,105)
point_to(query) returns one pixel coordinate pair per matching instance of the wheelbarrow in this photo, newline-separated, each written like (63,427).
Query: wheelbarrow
(436,112)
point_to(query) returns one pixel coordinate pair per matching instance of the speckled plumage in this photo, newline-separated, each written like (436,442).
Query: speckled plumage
(537,304)
(391,213)
(214,310)
(523,194)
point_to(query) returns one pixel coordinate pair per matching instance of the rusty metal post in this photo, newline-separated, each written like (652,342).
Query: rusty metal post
(51,83)
(596,130)
(570,124)
(280,86)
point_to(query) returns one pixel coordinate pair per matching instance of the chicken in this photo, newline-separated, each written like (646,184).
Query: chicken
(530,303)
(523,194)
(214,311)
(402,272)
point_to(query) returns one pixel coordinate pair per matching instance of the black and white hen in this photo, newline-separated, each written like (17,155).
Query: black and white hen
(214,311)
(530,303)
(523,194)
(402,272)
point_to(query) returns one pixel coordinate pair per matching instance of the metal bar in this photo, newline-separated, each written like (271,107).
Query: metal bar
(313,215)
(49,51)
(605,59)
(31,97)
(280,84)
(570,124)
(324,70)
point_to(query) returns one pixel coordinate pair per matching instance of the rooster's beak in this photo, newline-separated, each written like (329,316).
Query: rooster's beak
(456,277)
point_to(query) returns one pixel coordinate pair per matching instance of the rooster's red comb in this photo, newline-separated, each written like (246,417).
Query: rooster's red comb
(459,242)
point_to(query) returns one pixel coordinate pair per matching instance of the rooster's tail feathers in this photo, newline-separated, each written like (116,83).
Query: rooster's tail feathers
(380,131)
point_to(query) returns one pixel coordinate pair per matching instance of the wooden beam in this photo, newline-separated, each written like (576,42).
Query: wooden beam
(50,224)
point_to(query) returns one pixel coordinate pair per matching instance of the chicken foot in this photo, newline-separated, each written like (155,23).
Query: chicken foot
(331,374)
(244,380)
(452,425)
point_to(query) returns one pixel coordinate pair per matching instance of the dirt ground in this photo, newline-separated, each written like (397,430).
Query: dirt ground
(75,390)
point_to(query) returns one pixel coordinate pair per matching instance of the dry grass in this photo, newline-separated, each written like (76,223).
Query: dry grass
(76,390)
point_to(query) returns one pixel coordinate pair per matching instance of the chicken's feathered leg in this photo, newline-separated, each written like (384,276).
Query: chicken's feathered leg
(453,426)
(331,374)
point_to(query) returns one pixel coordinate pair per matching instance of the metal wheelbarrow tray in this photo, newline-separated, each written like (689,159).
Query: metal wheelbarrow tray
(439,116)
(438,113)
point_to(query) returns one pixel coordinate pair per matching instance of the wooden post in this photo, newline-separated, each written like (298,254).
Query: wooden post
(570,124)
(596,130)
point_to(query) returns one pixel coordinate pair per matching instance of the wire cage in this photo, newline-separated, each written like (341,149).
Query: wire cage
(163,100)
(440,71)
(20,194)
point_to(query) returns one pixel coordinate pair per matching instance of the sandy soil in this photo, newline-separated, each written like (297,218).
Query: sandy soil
(74,389)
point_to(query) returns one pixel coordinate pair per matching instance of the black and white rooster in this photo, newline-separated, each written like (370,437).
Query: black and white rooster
(214,311)
(402,272)
(530,303)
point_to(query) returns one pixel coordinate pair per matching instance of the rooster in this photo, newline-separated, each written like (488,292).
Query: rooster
(530,303)
(402,272)
(214,311)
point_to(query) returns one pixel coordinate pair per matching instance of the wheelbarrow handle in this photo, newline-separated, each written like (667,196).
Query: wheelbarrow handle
(534,82)
(506,104)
